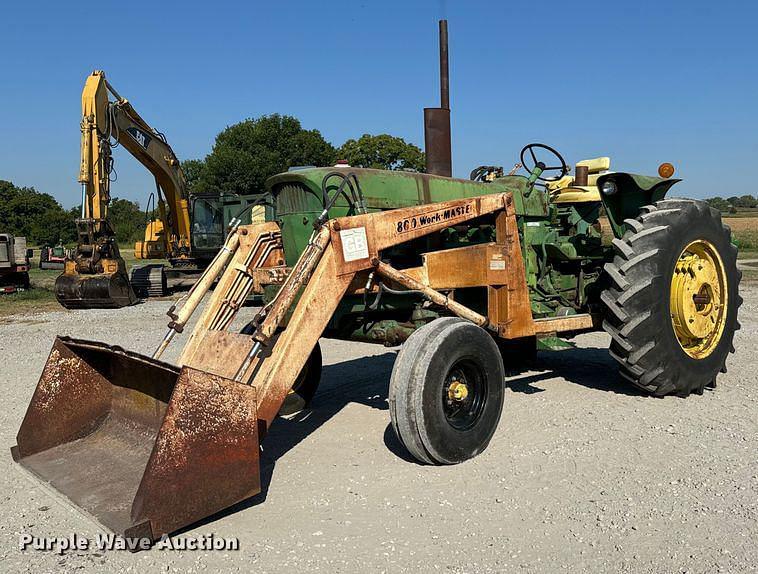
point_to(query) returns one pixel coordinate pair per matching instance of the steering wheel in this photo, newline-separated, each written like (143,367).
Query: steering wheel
(562,168)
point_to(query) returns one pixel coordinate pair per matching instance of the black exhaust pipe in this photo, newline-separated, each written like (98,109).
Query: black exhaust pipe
(437,120)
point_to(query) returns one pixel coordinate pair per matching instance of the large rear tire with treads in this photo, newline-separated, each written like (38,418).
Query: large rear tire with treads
(671,308)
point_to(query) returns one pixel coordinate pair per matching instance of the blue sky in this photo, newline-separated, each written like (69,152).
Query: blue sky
(643,82)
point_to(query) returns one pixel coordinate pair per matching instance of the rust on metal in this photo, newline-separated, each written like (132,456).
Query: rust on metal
(205,456)
(437,141)
(581,175)
(444,68)
(106,426)
(437,144)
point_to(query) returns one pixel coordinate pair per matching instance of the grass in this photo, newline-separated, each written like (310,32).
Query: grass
(41,296)
(33,300)
(744,233)
(746,212)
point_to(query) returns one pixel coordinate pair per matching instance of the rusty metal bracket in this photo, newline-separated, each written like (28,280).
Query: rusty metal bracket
(434,296)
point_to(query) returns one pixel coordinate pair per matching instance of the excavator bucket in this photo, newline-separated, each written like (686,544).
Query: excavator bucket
(99,291)
(144,447)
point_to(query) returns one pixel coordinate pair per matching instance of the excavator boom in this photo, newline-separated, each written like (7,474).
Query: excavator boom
(96,276)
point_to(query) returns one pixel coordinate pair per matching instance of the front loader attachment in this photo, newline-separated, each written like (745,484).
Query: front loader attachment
(97,291)
(144,447)
(148,448)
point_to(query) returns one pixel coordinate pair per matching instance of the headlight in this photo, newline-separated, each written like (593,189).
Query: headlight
(609,188)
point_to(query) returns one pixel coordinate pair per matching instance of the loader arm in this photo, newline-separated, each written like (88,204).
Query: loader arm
(337,261)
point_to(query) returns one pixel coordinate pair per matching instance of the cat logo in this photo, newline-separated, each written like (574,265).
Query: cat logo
(139,136)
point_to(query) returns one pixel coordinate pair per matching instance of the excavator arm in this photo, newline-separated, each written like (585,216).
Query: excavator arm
(152,150)
(96,275)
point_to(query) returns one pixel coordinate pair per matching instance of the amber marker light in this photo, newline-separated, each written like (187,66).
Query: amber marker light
(666,170)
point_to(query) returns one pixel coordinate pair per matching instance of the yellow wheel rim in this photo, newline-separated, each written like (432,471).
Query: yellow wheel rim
(699,299)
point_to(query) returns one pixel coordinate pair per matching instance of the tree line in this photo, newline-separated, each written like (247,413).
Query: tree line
(733,204)
(39,217)
(243,156)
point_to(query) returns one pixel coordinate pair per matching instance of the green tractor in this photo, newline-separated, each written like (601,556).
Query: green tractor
(665,288)
(670,262)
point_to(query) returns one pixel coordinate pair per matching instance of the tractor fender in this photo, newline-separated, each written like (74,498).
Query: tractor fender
(632,193)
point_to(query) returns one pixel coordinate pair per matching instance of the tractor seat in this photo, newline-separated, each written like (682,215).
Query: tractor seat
(563,190)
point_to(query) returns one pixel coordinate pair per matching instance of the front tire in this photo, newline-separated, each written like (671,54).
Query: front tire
(672,306)
(446,391)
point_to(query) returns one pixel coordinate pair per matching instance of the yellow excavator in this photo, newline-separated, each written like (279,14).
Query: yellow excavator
(187,232)
(95,277)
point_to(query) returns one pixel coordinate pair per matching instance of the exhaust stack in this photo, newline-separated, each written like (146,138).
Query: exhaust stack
(437,120)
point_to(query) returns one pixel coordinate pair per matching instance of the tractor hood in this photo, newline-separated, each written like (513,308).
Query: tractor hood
(299,195)
(384,189)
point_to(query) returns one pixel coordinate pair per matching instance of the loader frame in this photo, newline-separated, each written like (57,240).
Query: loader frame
(98,405)
(346,253)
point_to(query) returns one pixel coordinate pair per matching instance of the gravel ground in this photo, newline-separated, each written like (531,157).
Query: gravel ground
(584,473)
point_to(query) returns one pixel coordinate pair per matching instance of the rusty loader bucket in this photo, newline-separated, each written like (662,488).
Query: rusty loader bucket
(140,445)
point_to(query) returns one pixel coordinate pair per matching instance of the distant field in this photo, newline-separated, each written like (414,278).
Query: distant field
(745,231)
(741,223)
(743,213)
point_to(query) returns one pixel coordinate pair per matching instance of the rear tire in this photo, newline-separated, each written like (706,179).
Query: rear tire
(641,304)
(446,391)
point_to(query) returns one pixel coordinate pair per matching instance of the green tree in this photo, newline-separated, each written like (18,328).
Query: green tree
(194,171)
(747,201)
(34,215)
(248,153)
(718,203)
(127,221)
(382,152)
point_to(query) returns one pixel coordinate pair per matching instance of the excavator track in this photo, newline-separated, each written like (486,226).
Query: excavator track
(149,280)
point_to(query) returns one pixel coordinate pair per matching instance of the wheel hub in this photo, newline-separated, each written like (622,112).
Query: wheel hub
(698,299)
(463,394)
(457,391)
